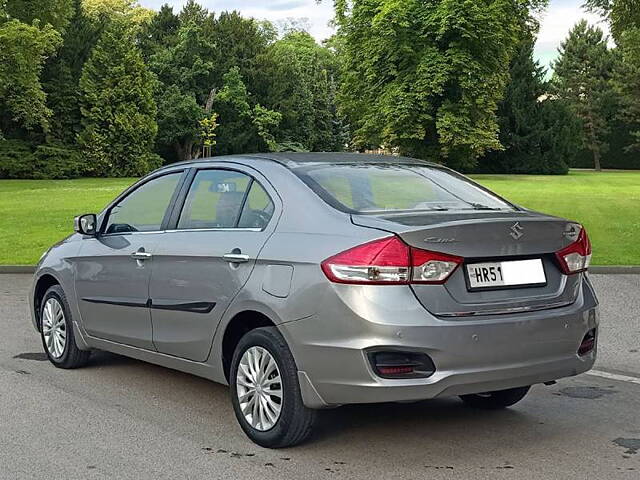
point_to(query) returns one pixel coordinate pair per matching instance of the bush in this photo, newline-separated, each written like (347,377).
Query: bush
(57,162)
(18,159)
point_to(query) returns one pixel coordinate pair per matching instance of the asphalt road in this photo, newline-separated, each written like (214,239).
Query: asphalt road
(120,418)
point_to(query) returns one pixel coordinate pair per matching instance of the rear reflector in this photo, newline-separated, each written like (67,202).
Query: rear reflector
(588,342)
(390,364)
(576,257)
(389,261)
(389,371)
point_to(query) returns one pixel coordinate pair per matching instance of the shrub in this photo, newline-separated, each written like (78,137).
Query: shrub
(18,159)
(57,162)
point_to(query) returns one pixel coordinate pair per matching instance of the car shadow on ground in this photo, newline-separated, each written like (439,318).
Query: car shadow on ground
(390,425)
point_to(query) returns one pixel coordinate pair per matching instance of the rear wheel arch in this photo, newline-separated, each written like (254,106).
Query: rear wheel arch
(241,323)
(43,284)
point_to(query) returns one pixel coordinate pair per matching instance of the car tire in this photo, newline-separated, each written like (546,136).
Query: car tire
(65,354)
(281,398)
(496,400)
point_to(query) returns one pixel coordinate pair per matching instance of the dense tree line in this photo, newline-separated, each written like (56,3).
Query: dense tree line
(109,88)
(106,87)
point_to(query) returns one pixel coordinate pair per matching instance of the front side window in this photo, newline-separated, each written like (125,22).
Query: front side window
(143,210)
(375,188)
(225,199)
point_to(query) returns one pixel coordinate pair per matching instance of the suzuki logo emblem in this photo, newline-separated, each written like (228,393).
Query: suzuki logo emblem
(516,231)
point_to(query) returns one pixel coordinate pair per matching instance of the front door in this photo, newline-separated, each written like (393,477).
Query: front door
(201,265)
(114,269)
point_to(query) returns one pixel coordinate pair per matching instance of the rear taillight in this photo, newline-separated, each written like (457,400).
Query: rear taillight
(389,261)
(576,257)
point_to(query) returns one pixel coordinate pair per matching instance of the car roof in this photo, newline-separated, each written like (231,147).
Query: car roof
(293,160)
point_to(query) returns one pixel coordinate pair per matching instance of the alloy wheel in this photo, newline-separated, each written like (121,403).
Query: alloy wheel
(54,327)
(259,388)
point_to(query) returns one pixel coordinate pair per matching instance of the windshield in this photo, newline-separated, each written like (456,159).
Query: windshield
(377,188)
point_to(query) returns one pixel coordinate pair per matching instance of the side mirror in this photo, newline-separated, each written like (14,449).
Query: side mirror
(86,224)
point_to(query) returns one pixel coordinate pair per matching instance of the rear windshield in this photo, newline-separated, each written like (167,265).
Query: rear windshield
(377,188)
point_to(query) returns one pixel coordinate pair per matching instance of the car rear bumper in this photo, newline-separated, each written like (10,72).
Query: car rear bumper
(471,355)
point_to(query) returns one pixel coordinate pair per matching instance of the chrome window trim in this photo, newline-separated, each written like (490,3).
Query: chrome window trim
(185,230)
(221,229)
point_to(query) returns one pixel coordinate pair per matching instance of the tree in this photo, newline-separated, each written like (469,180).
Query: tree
(118,108)
(300,78)
(191,53)
(624,19)
(179,117)
(582,76)
(537,131)
(48,12)
(426,77)
(61,75)
(182,60)
(623,15)
(160,33)
(243,128)
(129,9)
(23,51)
(240,42)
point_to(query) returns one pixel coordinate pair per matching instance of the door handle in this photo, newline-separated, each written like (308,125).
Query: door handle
(236,257)
(141,255)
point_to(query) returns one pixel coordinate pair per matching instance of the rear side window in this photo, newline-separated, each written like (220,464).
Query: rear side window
(143,209)
(375,188)
(258,208)
(225,199)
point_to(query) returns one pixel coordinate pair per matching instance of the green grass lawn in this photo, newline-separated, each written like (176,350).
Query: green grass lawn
(36,213)
(606,203)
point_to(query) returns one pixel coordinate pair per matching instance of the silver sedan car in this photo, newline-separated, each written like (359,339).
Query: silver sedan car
(312,280)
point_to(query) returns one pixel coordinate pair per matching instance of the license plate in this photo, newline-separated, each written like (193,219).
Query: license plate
(506,274)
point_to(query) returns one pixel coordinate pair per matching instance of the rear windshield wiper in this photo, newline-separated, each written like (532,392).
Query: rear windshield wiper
(479,206)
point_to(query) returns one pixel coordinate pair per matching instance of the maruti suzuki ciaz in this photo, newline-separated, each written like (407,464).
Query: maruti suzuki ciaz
(313,280)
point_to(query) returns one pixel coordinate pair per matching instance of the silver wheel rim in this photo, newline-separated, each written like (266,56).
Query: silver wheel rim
(259,388)
(54,328)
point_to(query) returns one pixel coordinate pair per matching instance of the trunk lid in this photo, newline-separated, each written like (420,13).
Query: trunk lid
(489,236)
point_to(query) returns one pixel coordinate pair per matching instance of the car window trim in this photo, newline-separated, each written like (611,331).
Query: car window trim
(135,188)
(244,202)
(172,226)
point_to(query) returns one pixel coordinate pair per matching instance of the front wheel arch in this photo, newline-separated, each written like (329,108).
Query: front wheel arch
(44,283)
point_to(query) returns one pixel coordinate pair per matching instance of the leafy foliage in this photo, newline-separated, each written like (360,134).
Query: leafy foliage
(47,12)
(17,160)
(301,81)
(118,108)
(243,128)
(426,77)
(624,18)
(449,80)
(61,75)
(583,77)
(23,50)
(538,132)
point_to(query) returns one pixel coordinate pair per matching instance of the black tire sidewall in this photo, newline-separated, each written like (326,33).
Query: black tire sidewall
(57,293)
(263,337)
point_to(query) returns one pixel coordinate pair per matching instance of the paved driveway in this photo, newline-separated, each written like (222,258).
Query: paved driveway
(120,418)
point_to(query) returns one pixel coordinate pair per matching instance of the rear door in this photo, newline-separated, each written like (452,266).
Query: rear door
(201,264)
(113,269)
